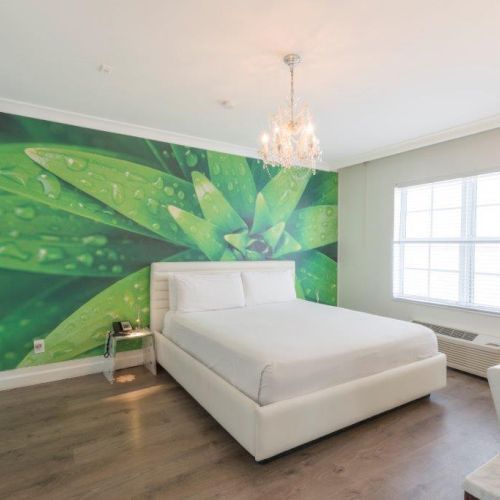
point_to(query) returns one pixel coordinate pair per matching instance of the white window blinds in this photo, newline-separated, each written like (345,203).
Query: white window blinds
(447,242)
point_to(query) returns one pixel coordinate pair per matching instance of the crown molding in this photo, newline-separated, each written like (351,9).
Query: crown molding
(449,134)
(107,125)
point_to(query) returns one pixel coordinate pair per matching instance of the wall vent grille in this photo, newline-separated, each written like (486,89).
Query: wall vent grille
(466,351)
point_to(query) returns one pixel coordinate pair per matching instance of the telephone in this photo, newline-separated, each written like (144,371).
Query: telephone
(122,327)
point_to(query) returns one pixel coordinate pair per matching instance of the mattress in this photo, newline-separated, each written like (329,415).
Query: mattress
(278,351)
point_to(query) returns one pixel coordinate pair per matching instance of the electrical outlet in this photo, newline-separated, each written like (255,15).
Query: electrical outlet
(39,346)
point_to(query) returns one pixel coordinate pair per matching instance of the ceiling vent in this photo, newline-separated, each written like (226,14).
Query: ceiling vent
(467,351)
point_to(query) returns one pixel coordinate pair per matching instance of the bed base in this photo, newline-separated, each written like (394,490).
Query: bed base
(266,431)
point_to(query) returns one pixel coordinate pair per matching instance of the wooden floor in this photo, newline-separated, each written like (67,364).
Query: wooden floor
(146,438)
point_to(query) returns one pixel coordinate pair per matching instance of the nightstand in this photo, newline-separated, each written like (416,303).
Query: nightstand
(148,350)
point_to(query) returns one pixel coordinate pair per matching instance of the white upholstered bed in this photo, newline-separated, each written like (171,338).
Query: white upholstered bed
(276,376)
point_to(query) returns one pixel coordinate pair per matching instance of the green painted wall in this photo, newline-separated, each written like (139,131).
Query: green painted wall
(83,213)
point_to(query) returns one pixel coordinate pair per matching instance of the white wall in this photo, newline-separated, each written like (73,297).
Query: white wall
(366,226)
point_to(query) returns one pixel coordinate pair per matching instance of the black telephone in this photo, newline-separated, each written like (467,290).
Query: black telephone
(122,327)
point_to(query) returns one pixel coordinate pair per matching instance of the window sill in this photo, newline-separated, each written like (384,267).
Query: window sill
(475,310)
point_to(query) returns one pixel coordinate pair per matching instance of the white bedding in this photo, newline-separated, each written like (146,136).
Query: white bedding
(273,352)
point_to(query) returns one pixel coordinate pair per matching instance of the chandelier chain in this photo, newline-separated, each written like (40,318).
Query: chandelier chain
(291,93)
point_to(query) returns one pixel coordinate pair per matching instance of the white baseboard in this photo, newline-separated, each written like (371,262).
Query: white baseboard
(20,377)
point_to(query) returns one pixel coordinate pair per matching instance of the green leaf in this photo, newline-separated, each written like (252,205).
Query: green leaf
(232,176)
(18,287)
(189,255)
(86,328)
(43,311)
(37,238)
(140,193)
(97,351)
(22,129)
(262,219)
(240,240)
(251,255)
(286,245)
(317,275)
(261,174)
(321,190)
(273,234)
(20,175)
(314,226)
(283,192)
(156,152)
(228,255)
(214,206)
(208,238)
(189,159)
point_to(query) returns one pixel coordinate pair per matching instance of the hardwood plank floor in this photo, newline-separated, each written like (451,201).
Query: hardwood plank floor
(144,437)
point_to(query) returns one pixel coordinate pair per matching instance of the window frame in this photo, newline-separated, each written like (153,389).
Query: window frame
(466,273)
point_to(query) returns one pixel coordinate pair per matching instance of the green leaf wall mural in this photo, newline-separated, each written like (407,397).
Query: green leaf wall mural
(84,212)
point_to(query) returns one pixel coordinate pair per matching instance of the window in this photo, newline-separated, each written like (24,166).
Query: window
(447,242)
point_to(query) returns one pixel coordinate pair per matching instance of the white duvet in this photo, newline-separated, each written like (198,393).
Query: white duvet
(278,351)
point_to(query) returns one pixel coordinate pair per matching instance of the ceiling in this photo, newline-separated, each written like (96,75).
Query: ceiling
(380,76)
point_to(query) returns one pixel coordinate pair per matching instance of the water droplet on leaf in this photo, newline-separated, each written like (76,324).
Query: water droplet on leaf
(76,164)
(138,194)
(86,259)
(191,159)
(13,251)
(158,183)
(86,183)
(12,174)
(49,254)
(26,212)
(117,193)
(97,240)
(152,205)
(50,185)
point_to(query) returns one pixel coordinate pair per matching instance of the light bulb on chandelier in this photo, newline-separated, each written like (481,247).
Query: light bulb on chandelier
(292,141)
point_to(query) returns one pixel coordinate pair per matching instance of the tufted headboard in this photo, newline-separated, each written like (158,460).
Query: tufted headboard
(159,302)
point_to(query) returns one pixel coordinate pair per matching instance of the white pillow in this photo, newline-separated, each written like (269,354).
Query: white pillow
(206,291)
(262,287)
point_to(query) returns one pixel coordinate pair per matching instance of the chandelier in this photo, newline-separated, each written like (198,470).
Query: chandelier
(291,140)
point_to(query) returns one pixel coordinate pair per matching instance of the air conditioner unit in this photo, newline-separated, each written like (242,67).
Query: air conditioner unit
(467,351)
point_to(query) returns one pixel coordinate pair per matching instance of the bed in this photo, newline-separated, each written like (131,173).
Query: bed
(276,376)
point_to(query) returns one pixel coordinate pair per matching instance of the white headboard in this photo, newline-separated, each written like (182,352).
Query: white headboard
(160,271)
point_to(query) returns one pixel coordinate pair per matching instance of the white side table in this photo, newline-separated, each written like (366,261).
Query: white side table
(148,349)
(484,482)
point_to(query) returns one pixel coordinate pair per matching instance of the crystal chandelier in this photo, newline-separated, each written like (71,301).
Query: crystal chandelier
(291,140)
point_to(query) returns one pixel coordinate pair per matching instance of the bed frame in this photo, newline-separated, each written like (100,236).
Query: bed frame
(265,431)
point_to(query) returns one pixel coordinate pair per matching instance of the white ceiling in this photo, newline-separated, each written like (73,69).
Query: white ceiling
(380,76)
